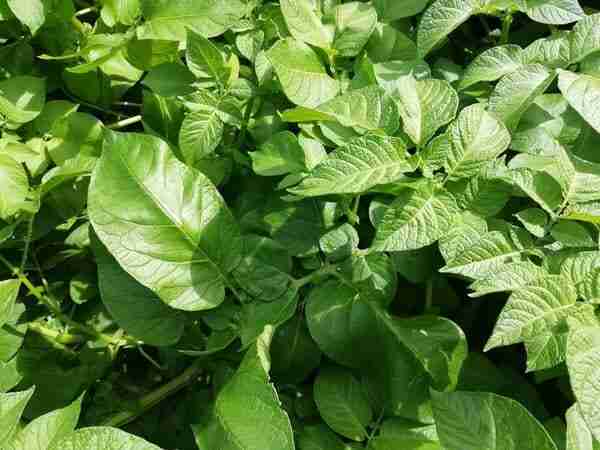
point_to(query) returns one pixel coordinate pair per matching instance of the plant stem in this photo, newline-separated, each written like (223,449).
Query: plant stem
(57,336)
(38,294)
(28,238)
(155,397)
(125,122)
(128,104)
(327,269)
(84,11)
(429,295)
(506,23)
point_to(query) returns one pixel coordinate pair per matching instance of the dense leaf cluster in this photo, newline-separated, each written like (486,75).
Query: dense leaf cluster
(299,224)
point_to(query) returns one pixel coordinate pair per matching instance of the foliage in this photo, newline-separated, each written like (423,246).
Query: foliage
(299,224)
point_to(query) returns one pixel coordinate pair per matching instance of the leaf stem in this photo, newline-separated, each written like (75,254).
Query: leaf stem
(327,269)
(506,24)
(57,336)
(28,239)
(152,399)
(125,122)
(84,11)
(46,301)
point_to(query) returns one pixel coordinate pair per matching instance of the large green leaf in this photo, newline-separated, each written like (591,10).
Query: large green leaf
(579,436)
(425,106)
(354,23)
(134,307)
(31,13)
(516,91)
(533,310)
(249,401)
(583,362)
(416,218)
(476,137)
(302,74)
(484,421)
(22,98)
(493,64)
(9,289)
(367,108)
(44,431)
(102,438)
(169,20)
(11,408)
(585,38)
(170,228)
(440,19)
(342,403)
(357,166)
(15,186)
(304,23)
(556,12)
(583,94)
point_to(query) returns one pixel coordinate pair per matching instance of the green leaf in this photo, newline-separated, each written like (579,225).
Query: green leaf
(354,23)
(555,12)
(120,11)
(368,108)
(572,234)
(22,98)
(205,60)
(390,10)
(476,137)
(425,106)
(9,289)
(302,74)
(201,133)
(257,315)
(170,79)
(399,433)
(583,94)
(170,20)
(264,270)
(172,219)
(533,310)
(534,220)
(342,403)
(415,219)
(583,362)
(539,186)
(440,19)
(31,13)
(280,155)
(357,166)
(484,257)
(493,64)
(15,186)
(304,24)
(484,421)
(102,438)
(553,51)
(467,228)
(319,437)
(44,431)
(509,277)
(579,435)
(134,307)
(585,38)
(11,408)
(516,91)
(250,390)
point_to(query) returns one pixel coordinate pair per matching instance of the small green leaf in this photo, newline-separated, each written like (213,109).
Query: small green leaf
(15,186)
(9,289)
(11,408)
(354,23)
(534,220)
(415,219)
(342,403)
(102,438)
(390,10)
(22,98)
(357,166)
(302,74)
(579,435)
(585,38)
(305,25)
(425,106)
(583,94)
(280,155)
(572,234)
(555,12)
(201,133)
(205,60)
(493,64)
(170,79)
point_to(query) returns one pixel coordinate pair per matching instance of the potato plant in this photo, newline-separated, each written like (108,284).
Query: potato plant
(299,225)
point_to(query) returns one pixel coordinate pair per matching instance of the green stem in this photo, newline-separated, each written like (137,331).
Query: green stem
(84,11)
(125,122)
(57,336)
(506,24)
(327,269)
(28,238)
(155,397)
(429,295)
(46,301)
